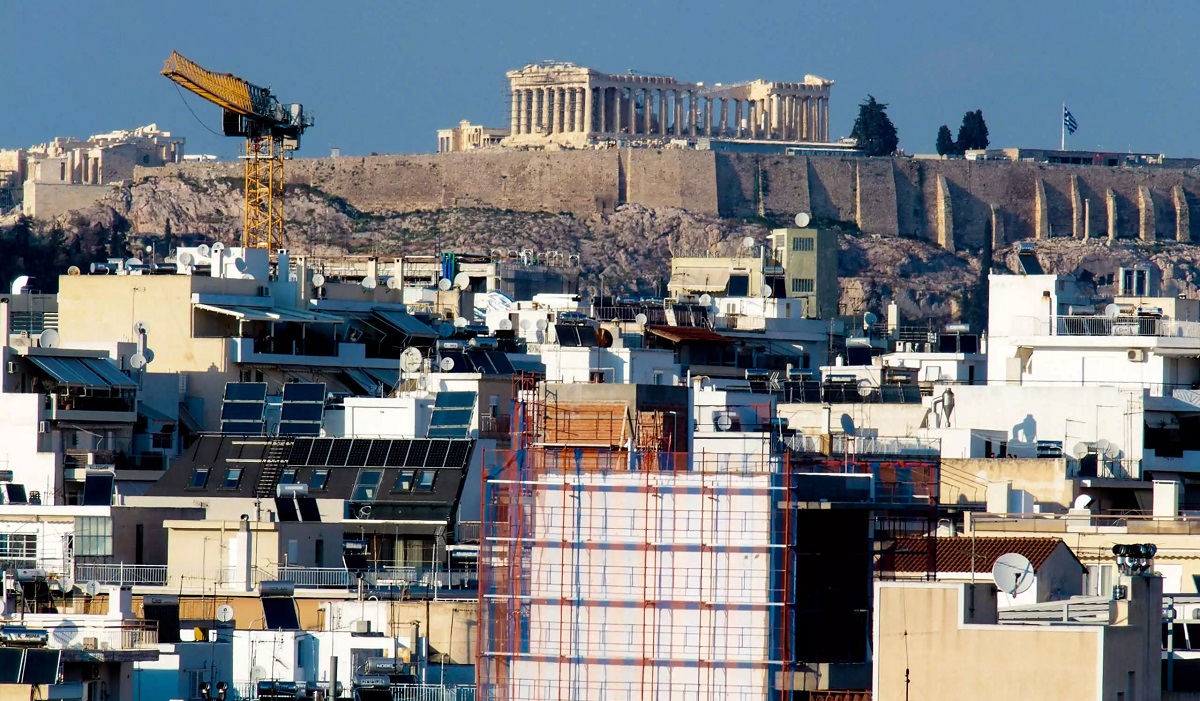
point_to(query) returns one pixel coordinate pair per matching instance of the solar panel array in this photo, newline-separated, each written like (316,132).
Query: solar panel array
(380,452)
(32,666)
(575,336)
(244,408)
(486,362)
(303,409)
(98,489)
(452,412)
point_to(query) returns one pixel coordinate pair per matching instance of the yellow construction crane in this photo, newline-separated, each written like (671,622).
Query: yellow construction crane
(271,129)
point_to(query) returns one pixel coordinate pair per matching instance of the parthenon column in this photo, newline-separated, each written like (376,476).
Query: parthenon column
(793,122)
(648,110)
(693,113)
(631,123)
(588,111)
(560,110)
(662,112)
(724,130)
(737,118)
(516,107)
(825,119)
(544,109)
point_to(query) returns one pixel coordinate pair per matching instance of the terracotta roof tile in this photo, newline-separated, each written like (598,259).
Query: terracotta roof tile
(680,334)
(912,555)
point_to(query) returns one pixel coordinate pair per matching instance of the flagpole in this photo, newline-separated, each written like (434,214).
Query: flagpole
(1062,146)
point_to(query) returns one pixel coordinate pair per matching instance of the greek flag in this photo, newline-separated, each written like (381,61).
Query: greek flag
(1069,121)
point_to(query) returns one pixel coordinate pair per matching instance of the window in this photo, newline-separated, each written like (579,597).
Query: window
(18,546)
(288,477)
(233,477)
(368,485)
(803,284)
(739,285)
(425,480)
(318,480)
(803,243)
(199,478)
(404,481)
(93,536)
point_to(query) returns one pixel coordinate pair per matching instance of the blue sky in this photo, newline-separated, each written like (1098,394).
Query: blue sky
(383,76)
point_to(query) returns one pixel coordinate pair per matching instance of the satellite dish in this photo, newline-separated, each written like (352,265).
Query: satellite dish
(204,251)
(445,330)
(505,325)
(74,270)
(369,283)
(224,613)
(1106,448)
(318,279)
(92,588)
(411,360)
(218,248)
(140,328)
(186,259)
(460,322)
(641,319)
(462,281)
(764,291)
(542,324)
(864,388)
(803,220)
(869,320)
(240,264)
(748,242)
(526,324)
(149,355)
(1083,502)
(137,361)
(364,511)
(446,364)
(444,285)
(393,283)
(1081,450)
(705,299)
(724,422)
(1112,311)
(133,263)
(50,339)
(1013,574)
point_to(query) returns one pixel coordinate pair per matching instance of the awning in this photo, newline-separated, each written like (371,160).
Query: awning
(189,421)
(688,334)
(83,372)
(406,323)
(699,280)
(369,379)
(364,383)
(271,314)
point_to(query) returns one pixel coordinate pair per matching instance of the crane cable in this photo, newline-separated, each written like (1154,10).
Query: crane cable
(189,109)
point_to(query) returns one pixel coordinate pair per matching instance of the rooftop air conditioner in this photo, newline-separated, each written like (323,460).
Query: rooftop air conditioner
(90,644)
(361,627)
(1135,355)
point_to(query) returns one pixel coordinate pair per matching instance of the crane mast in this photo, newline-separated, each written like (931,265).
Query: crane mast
(272,130)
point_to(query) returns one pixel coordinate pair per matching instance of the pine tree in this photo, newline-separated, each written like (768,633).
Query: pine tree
(945,142)
(973,134)
(873,130)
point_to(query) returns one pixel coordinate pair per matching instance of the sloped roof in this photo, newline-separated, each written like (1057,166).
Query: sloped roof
(912,555)
(678,334)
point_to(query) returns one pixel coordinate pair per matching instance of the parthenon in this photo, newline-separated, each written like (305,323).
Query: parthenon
(561,105)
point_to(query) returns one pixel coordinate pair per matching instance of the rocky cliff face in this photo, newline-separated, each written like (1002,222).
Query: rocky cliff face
(628,250)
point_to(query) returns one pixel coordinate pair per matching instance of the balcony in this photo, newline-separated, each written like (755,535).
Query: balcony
(122,574)
(495,427)
(105,641)
(1125,326)
(452,582)
(74,405)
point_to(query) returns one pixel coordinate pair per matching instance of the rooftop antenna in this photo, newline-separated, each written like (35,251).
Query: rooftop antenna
(444,284)
(803,219)
(1012,573)
(411,360)
(369,283)
(1112,311)
(49,339)
(462,281)
(748,243)
(869,320)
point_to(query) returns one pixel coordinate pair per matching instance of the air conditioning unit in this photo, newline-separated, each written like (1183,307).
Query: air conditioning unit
(264,291)
(361,627)
(90,644)
(1135,355)
(12,367)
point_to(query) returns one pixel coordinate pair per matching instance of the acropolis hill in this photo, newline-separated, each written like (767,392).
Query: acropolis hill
(950,203)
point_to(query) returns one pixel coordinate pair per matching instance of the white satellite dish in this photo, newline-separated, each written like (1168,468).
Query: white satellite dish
(1081,450)
(92,588)
(1013,573)
(444,285)
(505,325)
(218,248)
(369,283)
(803,220)
(542,324)
(140,328)
(641,319)
(137,361)
(1106,448)
(318,279)
(1112,311)
(411,360)
(526,324)
(724,422)
(186,259)
(869,320)
(460,322)
(705,299)
(748,242)
(133,263)
(224,613)
(445,330)
(462,281)
(393,283)
(50,339)
(864,388)
(446,364)
(1083,502)
(239,264)
(203,250)
(764,291)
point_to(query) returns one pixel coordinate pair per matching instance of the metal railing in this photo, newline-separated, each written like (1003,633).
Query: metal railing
(1131,523)
(1125,326)
(125,637)
(248,691)
(884,445)
(121,574)
(1094,610)
(465,531)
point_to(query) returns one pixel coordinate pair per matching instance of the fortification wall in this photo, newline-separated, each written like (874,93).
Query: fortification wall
(938,200)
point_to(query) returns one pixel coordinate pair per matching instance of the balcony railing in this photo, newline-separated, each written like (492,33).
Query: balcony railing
(1125,326)
(128,636)
(121,574)
(862,446)
(336,577)
(495,427)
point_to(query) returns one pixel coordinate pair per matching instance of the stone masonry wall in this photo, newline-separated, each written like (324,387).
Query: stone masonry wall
(891,197)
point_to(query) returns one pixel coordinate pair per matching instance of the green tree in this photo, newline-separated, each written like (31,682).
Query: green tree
(973,134)
(873,130)
(945,142)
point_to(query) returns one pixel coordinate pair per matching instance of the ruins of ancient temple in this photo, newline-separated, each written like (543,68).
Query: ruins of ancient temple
(567,106)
